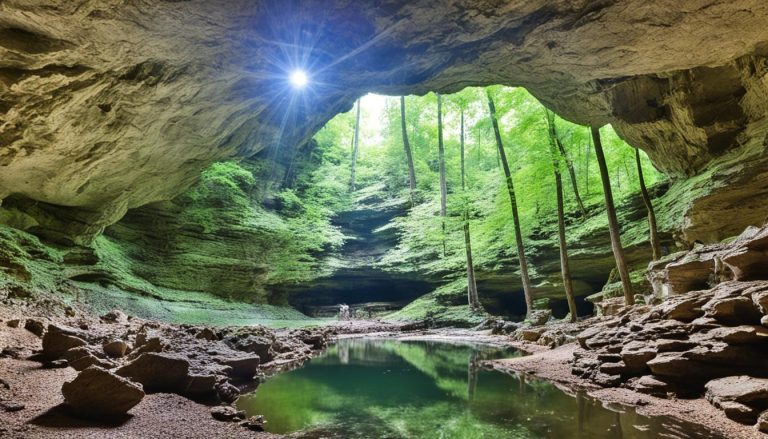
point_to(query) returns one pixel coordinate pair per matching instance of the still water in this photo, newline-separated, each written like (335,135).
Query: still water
(371,388)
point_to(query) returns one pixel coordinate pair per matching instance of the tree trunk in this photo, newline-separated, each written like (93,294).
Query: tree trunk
(355,147)
(515,217)
(441,158)
(571,173)
(472,294)
(565,269)
(613,222)
(649,206)
(408,154)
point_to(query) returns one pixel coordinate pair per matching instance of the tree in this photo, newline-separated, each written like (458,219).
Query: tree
(441,158)
(408,154)
(613,222)
(355,147)
(571,173)
(564,267)
(649,207)
(472,295)
(515,216)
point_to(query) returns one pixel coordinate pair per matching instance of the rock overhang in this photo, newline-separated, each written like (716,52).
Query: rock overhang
(106,107)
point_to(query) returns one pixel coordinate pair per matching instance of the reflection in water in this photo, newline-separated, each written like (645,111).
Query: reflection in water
(410,389)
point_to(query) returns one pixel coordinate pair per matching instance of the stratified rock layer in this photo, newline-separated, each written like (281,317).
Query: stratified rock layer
(107,107)
(709,338)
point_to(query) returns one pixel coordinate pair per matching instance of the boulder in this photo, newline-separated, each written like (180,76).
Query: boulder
(83,357)
(115,348)
(242,367)
(539,317)
(207,334)
(98,392)
(227,392)
(114,316)
(529,334)
(201,385)
(158,372)
(738,396)
(254,423)
(13,323)
(226,413)
(762,422)
(34,326)
(58,340)
(651,385)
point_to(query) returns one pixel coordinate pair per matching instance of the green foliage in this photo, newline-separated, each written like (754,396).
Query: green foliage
(524,133)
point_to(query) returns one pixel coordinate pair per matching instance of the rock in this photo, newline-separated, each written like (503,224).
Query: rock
(34,326)
(57,364)
(83,357)
(227,392)
(58,340)
(762,422)
(538,317)
(733,310)
(739,397)
(10,406)
(256,344)
(587,334)
(254,423)
(651,385)
(153,344)
(613,368)
(744,334)
(227,413)
(685,309)
(666,345)
(207,334)
(14,323)
(201,385)
(114,316)
(636,357)
(115,348)
(11,352)
(158,372)
(242,367)
(97,392)
(529,334)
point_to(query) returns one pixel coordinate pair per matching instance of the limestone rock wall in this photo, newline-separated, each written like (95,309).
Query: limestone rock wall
(108,105)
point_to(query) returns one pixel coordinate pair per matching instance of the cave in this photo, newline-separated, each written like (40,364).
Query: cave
(226,212)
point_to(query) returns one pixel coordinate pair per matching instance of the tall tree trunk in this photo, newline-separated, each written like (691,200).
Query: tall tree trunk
(515,217)
(613,222)
(586,172)
(565,269)
(649,206)
(408,154)
(472,294)
(441,158)
(355,147)
(571,173)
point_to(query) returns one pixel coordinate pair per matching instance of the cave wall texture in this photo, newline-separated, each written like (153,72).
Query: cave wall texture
(108,105)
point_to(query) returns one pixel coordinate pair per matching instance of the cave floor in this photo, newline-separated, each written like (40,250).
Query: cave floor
(554,365)
(165,415)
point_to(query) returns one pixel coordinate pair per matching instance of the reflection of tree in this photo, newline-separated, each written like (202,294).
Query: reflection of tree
(472,368)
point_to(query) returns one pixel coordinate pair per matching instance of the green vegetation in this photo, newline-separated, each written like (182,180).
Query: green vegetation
(247,230)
